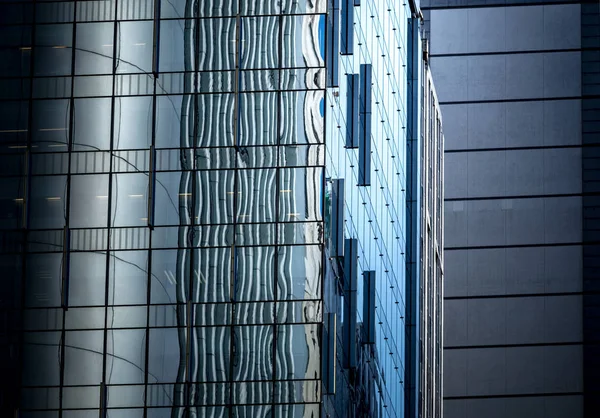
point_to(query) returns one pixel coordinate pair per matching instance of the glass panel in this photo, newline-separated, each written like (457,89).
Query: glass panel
(91,127)
(211,274)
(256,200)
(302,117)
(214,197)
(173,41)
(164,276)
(88,281)
(300,194)
(42,351)
(53,49)
(163,361)
(125,361)
(15,50)
(47,206)
(172,196)
(13,123)
(253,360)
(50,124)
(260,42)
(40,398)
(299,272)
(11,202)
(43,282)
(259,119)
(84,318)
(83,352)
(89,201)
(129,199)
(128,278)
(298,354)
(135,47)
(254,273)
(81,397)
(133,122)
(94,52)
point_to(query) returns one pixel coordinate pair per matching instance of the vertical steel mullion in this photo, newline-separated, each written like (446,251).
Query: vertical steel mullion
(104,383)
(66,234)
(277,214)
(151,186)
(236,133)
(25,214)
(156,40)
(190,403)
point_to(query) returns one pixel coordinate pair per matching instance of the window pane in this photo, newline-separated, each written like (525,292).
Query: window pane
(94,53)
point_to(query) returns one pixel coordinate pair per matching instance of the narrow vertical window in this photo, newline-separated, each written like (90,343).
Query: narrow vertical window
(333,44)
(337,218)
(151,187)
(349,324)
(347,28)
(329,353)
(369,307)
(364,145)
(65,268)
(353,111)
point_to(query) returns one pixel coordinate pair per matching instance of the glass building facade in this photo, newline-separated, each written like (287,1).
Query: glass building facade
(210,208)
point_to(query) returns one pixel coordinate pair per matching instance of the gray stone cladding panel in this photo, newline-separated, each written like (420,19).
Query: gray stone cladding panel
(513,271)
(507,77)
(510,29)
(512,124)
(499,222)
(522,407)
(512,370)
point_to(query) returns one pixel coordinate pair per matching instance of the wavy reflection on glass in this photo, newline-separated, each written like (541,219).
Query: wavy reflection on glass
(258,354)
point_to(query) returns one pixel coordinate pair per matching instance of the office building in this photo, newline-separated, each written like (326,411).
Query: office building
(518,83)
(214,209)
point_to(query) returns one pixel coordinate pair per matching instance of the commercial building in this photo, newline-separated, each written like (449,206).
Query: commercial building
(518,85)
(216,209)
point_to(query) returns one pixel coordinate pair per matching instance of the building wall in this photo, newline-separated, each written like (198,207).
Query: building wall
(509,81)
(374,211)
(432,254)
(161,208)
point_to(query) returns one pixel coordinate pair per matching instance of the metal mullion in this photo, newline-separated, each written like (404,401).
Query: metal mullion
(236,132)
(277,215)
(151,230)
(104,391)
(190,311)
(66,235)
(25,214)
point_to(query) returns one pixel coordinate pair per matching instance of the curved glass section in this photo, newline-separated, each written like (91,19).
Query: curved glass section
(161,207)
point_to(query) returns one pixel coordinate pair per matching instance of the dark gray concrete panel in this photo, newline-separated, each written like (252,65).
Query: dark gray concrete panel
(500,29)
(513,271)
(513,124)
(513,370)
(521,407)
(551,220)
(512,77)
(516,320)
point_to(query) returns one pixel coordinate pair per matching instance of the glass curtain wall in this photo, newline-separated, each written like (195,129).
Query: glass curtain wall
(161,212)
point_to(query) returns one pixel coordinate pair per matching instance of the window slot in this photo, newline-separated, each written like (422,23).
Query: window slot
(65,268)
(364,145)
(353,111)
(347,28)
(337,218)
(151,187)
(349,324)
(332,49)
(369,307)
